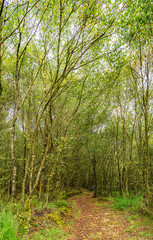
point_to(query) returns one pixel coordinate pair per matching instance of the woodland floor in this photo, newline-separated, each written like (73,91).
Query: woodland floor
(97,220)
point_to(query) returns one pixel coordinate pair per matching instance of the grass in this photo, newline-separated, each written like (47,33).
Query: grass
(8,225)
(131,228)
(50,234)
(123,203)
(134,205)
(138,219)
(53,233)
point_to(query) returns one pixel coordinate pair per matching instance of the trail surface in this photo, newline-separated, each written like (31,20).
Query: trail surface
(100,222)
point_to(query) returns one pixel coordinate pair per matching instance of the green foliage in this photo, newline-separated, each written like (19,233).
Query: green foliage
(48,216)
(27,206)
(62,195)
(73,192)
(40,205)
(123,203)
(35,201)
(62,203)
(8,225)
(83,89)
(55,218)
(50,234)
(50,205)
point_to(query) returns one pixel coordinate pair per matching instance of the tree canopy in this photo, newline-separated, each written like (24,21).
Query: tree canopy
(76,97)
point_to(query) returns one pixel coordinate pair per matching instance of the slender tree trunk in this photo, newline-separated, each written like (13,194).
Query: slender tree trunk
(94,163)
(146,108)
(26,172)
(1,27)
(40,187)
(130,160)
(47,146)
(123,154)
(16,110)
(76,172)
(145,98)
(31,170)
(118,157)
(47,191)
(40,168)
(52,172)
(13,155)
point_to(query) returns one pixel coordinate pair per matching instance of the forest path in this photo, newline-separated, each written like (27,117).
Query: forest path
(100,222)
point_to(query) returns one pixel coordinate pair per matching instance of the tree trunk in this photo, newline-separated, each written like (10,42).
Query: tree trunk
(147,155)
(94,163)
(76,173)
(13,156)
(1,27)
(118,158)
(41,168)
(31,170)
(16,110)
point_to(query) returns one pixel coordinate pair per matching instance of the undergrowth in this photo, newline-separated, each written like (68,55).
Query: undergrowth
(36,221)
(123,203)
(53,233)
(8,225)
(50,234)
(62,203)
(134,205)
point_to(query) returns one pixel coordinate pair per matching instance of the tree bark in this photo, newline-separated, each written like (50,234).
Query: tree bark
(94,163)
(13,155)
(15,118)
(76,172)
(1,27)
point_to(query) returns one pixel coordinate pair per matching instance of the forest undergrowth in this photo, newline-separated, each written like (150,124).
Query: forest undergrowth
(79,217)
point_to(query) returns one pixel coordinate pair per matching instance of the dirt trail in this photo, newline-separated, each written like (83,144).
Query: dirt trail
(101,222)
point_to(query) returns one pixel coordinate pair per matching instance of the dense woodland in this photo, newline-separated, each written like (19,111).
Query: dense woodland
(76,98)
